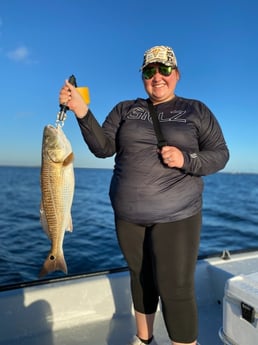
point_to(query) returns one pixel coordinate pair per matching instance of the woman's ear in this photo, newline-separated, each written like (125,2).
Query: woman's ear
(177,74)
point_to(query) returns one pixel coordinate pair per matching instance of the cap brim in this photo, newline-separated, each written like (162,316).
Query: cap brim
(166,63)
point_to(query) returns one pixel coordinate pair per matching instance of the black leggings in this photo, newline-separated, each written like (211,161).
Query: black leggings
(162,259)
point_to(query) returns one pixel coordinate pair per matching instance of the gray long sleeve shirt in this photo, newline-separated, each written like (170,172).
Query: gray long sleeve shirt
(143,189)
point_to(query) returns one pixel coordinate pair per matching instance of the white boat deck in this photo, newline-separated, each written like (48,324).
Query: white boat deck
(97,309)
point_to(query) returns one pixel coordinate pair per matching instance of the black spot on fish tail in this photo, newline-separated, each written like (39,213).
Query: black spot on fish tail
(53,263)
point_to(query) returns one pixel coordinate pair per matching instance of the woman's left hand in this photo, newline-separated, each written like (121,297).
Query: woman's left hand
(172,156)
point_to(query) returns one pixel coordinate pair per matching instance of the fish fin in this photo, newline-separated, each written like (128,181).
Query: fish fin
(69,159)
(70,224)
(43,220)
(52,264)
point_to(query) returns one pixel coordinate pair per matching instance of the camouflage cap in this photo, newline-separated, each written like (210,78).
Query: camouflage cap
(160,54)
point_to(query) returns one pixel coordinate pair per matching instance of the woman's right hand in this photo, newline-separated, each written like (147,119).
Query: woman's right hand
(72,99)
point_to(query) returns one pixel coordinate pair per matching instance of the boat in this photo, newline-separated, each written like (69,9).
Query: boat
(96,308)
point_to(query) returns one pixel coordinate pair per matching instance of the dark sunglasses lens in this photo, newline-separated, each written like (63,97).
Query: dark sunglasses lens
(149,72)
(165,70)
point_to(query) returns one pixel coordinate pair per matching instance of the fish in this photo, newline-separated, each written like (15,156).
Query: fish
(57,183)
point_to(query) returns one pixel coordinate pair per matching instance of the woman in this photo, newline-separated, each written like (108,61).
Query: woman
(156,194)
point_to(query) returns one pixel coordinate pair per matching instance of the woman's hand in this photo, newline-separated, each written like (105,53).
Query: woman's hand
(71,97)
(172,156)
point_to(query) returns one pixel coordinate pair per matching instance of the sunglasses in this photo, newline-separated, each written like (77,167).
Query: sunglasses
(149,72)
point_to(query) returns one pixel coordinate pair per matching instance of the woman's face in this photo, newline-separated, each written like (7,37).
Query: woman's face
(160,88)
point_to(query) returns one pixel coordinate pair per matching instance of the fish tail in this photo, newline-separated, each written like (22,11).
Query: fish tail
(53,263)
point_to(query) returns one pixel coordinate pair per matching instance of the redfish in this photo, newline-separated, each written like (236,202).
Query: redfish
(57,191)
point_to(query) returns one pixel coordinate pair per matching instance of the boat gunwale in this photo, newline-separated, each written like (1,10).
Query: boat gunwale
(38,282)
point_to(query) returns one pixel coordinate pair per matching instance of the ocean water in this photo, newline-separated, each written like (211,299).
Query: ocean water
(230,221)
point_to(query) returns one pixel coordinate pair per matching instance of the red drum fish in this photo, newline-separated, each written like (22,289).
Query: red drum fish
(57,190)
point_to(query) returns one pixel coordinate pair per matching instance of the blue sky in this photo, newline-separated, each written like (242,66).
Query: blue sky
(102,43)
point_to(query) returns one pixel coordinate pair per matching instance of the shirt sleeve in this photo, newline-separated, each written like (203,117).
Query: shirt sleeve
(101,140)
(213,153)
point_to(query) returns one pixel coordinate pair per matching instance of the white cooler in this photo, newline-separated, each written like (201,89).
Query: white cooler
(240,311)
